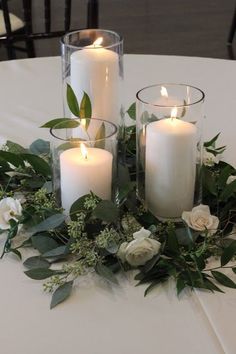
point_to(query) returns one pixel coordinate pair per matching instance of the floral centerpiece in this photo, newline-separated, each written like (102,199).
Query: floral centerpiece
(108,237)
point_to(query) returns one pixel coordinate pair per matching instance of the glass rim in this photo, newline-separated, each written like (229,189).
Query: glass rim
(114,132)
(166,85)
(117,43)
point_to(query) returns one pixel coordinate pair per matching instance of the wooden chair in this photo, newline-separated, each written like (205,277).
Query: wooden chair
(232,29)
(25,32)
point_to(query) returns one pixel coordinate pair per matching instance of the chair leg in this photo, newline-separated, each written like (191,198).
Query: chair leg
(30,48)
(11,54)
(92,14)
(232,29)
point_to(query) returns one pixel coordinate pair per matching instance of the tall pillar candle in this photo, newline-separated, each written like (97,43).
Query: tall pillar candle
(170,167)
(82,173)
(95,70)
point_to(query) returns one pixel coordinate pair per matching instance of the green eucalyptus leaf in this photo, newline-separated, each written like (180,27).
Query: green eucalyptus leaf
(61,294)
(56,252)
(132,111)
(78,206)
(16,252)
(38,164)
(39,147)
(43,243)
(40,273)
(86,109)
(48,187)
(61,123)
(228,253)
(105,272)
(100,137)
(112,247)
(50,223)
(106,211)
(72,101)
(223,279)
(36,262)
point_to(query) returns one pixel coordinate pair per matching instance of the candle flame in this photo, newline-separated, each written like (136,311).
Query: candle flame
(164,92)
(174,112)
(98,42)
(84,151)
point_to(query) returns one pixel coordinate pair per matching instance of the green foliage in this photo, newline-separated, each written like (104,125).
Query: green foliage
(228,253)
(39,165)
(50,223)
(86,108)
(61,294)
(106,211)
(72,101)
(100,137)
(36,262)
(40,273)
(105,272)
(61,123)
(43,242)
(132,111)
(90,239)
(40,147)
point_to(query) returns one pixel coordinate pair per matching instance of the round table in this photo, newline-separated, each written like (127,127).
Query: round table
(100,318)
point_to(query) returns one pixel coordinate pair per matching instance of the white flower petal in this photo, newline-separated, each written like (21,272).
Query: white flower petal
(200,219)
(121,252)
(230,179)
(10,208)
(141,234)
(202,207)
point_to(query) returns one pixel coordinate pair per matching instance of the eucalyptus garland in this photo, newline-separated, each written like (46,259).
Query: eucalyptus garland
(105,237)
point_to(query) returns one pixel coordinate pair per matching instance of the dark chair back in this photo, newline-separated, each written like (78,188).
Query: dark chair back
(27,34)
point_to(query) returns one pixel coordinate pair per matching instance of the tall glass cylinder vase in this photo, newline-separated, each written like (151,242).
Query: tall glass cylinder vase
(84,158)
(169,148)
(92,63)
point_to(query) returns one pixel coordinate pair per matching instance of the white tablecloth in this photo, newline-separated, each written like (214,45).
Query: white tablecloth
(99,319)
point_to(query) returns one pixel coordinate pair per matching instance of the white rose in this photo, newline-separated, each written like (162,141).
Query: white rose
(140,250)
(209,159)
(9,209)
(230,179)
(200,219)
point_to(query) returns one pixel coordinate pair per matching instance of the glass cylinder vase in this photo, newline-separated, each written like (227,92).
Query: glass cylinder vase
(92,63)
(84,160)
(169,148)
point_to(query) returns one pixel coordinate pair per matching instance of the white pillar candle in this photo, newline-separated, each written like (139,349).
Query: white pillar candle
(81,174)
(95,70)
(170,167)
